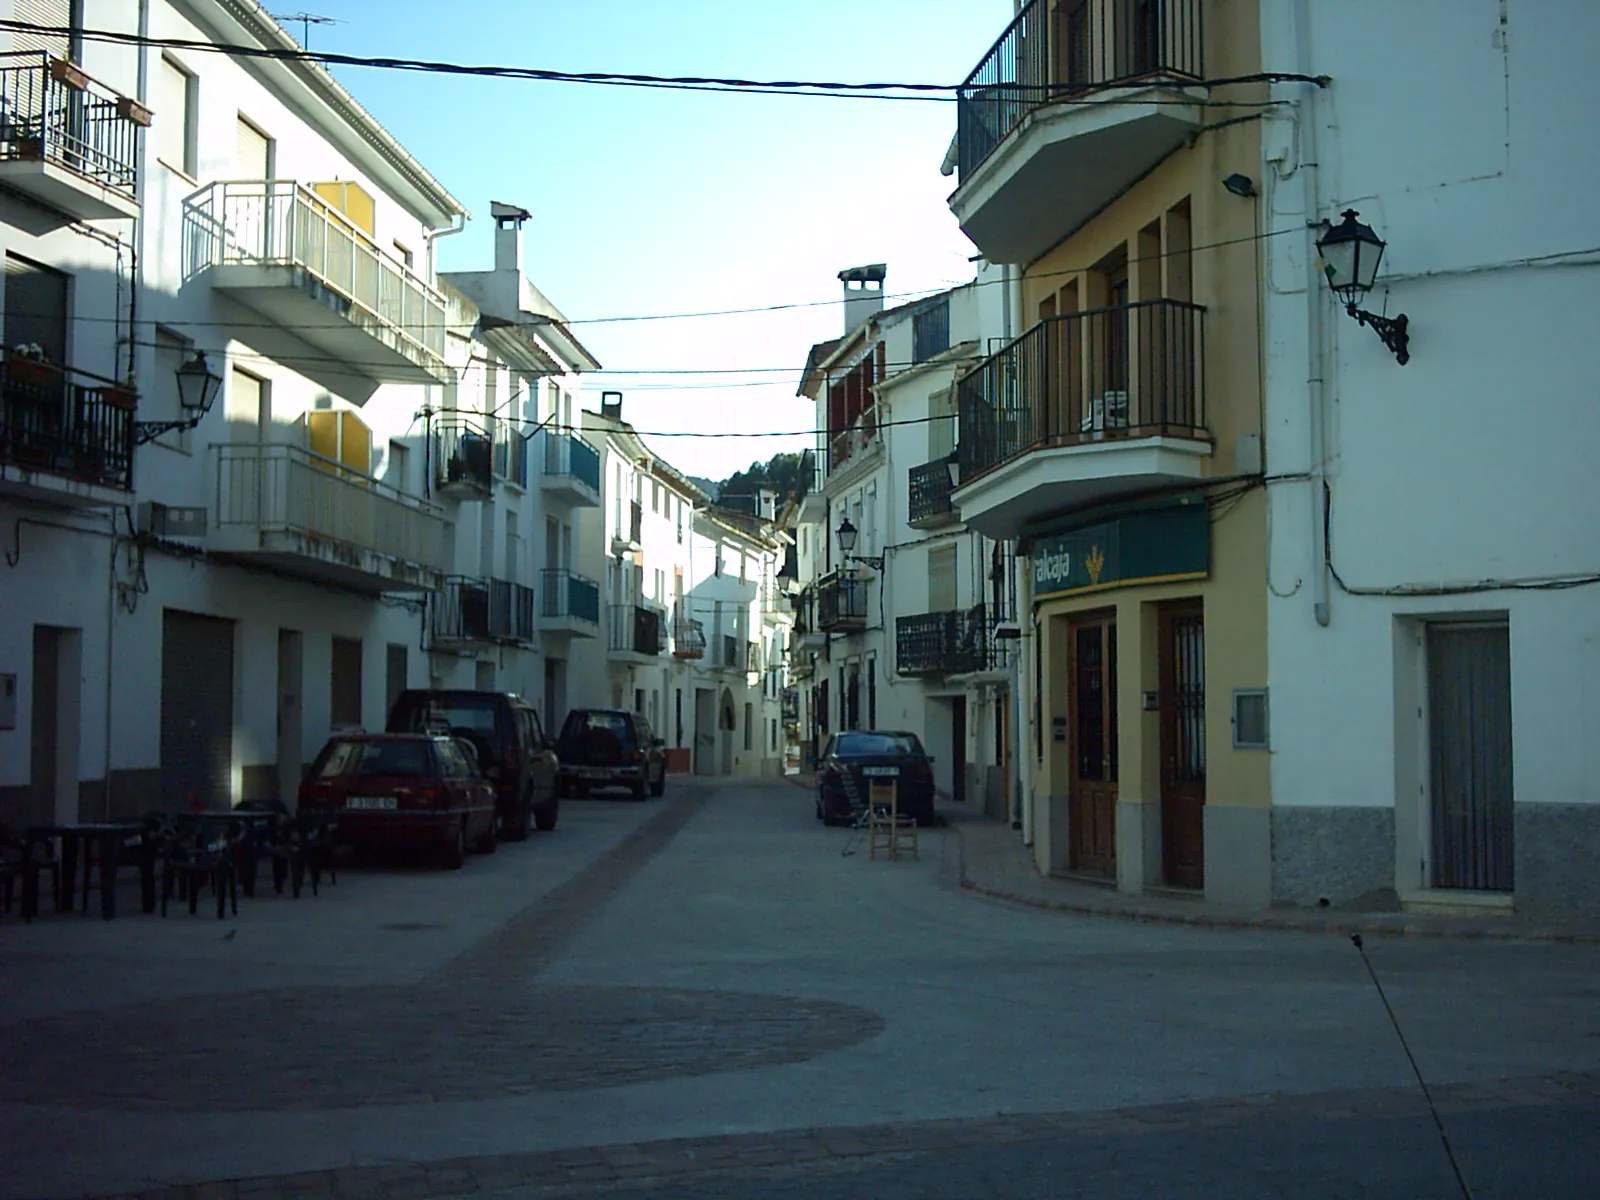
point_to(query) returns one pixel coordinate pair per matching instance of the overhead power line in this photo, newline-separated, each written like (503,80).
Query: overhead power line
(877,90)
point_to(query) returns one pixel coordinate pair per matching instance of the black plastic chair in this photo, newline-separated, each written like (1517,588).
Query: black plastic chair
(197,852)
(26,859)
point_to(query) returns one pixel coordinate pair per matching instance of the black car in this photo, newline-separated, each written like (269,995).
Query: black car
(852,761)
(512,750)
(610,747)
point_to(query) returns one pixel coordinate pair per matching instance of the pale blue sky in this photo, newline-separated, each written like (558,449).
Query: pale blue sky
(647,201)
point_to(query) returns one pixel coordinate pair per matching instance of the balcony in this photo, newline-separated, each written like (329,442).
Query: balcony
(854,445)
(302,514)
(631,541)
(568,603)
(66,139)
(571,471)
(688,638)
(279,248)
(959,642)
(463,461)
(65,437)
(841,603)
(929,489)
(638,634)
(510,456)
(1076,101)
(1083,408)
(735,655)
(469,612)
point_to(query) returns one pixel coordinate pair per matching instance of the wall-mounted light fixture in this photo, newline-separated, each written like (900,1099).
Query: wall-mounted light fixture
(1351,253)
(847,542)
(1240,185)
(197,391)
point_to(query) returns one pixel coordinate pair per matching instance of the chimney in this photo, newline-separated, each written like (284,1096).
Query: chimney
(863,293)
(508,219)
(611,405)
(767,504)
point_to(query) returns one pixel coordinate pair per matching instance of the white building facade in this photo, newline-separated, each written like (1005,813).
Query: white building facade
(1433,563)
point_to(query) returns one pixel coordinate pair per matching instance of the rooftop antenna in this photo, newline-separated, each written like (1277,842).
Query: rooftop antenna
(307,20)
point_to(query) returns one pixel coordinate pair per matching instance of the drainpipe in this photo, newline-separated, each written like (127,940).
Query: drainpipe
(430,236)
(1316,356)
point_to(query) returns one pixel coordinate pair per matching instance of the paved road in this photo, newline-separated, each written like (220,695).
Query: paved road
(712,997)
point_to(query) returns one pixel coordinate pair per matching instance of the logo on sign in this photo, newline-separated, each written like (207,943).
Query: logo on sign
(1051,567)
(1096,562)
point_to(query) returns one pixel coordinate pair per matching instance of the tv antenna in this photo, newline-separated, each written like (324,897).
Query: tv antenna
(307,20)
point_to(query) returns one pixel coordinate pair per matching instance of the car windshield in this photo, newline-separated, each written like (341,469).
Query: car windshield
(454,715)
(380,756)
(580,724)
(863,745)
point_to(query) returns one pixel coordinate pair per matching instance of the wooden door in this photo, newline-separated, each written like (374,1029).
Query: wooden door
(958,749)
(1183,743)
(1469,750)
(1092,802)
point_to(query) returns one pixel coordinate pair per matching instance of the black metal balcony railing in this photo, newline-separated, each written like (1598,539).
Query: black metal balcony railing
(636,522)
(946,643)
(568,455)
(929,487)
(463,458)
(688,638)
(483,610)
(511,456)
(1049,53)
(930,329)
(791,704)
(66,422)
(51,111)
(1133,371)
(567,594)
(841,602)
(637,630)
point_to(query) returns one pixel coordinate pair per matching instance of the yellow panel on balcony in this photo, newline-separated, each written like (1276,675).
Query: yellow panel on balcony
(353,200)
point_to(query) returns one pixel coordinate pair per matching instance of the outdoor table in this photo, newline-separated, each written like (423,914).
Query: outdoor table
(110,837)
(251,821)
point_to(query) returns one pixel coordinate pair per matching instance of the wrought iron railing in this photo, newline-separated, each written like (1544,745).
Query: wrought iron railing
(638,630)
(565,454)
(565,593)
(1132,371)
(463,457)
(688,638)
(1056,51)
(841,602)
(930,329)
(460,610)
(929,489)
(279,488)
(856,440)
(50,111)
(65,422)
(279,222)
(511,455)
(946,643)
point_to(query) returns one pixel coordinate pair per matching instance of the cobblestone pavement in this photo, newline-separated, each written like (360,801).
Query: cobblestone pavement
(751,1163)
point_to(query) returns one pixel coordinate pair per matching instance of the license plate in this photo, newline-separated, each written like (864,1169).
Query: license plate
(382,802)
(880,771)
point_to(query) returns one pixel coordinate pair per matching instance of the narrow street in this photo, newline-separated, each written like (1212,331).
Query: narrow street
(712,995)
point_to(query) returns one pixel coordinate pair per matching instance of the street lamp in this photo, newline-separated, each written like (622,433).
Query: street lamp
(847,535)
(953,465)
(1350,254)
(197,391)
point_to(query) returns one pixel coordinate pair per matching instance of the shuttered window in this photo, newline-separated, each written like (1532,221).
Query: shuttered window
(345,707)
(36,308)
(172,125)
(254,153)
(353,200)
(246,408)
(55,13)
(942,578)
(340,436)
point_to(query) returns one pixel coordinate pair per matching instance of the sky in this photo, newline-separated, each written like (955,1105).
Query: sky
(650,202)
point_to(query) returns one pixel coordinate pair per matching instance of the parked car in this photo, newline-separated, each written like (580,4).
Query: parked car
(610,747)
(403,791)
(513,751)
(852,761)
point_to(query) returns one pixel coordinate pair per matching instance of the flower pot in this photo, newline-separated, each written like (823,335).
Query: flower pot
(130,109)
(68,73)
(30,372)
(124,398)
(28,148)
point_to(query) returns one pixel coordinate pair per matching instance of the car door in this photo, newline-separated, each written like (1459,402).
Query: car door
(541,759)
(646,740)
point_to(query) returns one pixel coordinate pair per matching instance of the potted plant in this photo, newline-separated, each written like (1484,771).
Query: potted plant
(68,73)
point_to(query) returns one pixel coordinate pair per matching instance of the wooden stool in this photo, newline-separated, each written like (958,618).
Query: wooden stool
(887,830)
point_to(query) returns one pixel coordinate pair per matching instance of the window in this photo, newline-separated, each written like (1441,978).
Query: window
(397,470)
(36,308)
(403,253)
(872,693)
(256,151)
(249,408)
(351,199)
(942,578)
(749,719)
(344,708)
(174,124)
(336,435)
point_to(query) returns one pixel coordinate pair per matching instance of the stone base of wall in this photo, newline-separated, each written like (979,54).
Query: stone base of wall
(994,793)
(1238,855)
(1342,854)
(1557,848)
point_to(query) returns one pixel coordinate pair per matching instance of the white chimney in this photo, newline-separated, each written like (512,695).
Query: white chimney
(766,504)
(611,405)
(863,293)
(508,219)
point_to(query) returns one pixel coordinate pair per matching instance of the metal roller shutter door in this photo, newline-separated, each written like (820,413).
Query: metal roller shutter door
(196,710)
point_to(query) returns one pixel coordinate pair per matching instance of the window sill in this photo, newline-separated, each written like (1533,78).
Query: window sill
(179,172)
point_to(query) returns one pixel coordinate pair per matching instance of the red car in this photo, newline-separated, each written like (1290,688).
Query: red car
(403,790)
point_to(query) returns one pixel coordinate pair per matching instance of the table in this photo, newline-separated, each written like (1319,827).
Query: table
(111,838)
(246,852)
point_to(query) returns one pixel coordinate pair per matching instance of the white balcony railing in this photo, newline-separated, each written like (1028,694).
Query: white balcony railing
(279,222)
(272,489)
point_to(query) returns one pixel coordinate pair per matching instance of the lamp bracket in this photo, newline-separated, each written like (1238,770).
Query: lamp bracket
(149,431)
(1390,330)
(875,561)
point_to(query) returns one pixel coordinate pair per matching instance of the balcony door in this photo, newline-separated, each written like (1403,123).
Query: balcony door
(1092,703)
(1182,669)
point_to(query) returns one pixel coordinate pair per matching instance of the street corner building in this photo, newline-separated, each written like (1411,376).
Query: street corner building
(1281,416)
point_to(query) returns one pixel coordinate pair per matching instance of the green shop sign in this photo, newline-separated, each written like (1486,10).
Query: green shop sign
(1155,546)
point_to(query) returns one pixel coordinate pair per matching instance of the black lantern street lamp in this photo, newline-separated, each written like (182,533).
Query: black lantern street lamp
(1350,254)
(847,535)
(197,391)
(953,465)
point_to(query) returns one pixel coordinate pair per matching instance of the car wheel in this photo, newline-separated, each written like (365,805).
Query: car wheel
(544,817)
(641,789)
(660,785)
(521,821)
(825,811)
(455,849)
